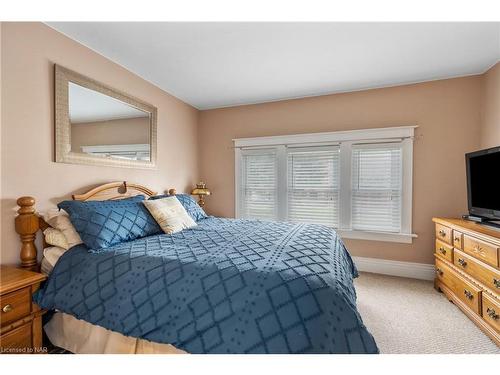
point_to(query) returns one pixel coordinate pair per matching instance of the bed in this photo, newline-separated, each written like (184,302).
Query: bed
(224,286)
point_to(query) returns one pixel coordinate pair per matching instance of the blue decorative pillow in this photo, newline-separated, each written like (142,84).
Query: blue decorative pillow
(102,224)
(193,209)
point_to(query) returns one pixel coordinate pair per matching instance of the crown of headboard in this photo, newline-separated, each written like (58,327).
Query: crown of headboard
(114,190)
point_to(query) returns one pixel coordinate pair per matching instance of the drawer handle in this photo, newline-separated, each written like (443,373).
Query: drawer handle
(439,271)
(457,239)
(496,282)
(7,308)
(442,233)
(468,294)
(492,314)
(443,250)
(462,262)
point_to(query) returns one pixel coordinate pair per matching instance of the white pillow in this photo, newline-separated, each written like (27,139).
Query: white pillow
(59,219)
(170,215)
(55,237)
(50,257)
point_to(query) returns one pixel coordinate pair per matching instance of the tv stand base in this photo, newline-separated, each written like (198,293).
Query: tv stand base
(482,220)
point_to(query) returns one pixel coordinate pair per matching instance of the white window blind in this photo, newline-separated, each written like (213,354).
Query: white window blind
(259,184)
(313,185)
(377,187)
(358,182)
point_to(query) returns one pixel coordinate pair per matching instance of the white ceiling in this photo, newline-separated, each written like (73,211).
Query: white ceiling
(210,65)
(87,105)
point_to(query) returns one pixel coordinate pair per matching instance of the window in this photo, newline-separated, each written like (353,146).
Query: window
(313,185)
(259,181)
(376,187)
(358,182)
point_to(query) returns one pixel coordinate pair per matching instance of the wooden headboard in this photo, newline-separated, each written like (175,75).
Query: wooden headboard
(28,222)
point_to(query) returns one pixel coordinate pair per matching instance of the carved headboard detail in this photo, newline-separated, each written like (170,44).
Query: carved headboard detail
(113,191)
(28,222)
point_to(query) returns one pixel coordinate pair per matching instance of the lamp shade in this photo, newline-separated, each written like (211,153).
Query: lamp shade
(201,189)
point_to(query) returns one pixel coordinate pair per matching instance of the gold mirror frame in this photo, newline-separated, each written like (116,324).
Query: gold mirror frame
(63,153)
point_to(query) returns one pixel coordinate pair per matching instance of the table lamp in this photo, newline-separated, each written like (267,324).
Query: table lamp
(201,191)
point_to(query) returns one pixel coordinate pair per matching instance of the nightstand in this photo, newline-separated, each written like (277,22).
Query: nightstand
(20,318)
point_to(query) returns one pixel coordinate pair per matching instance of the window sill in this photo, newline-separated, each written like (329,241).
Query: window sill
(377,236)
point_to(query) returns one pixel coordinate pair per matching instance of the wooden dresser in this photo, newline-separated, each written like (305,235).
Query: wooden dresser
(468,270)
(20,318)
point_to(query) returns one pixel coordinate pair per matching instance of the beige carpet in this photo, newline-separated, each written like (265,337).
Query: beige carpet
(409,316)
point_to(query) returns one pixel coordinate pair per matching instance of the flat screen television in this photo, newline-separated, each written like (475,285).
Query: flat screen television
(483,183)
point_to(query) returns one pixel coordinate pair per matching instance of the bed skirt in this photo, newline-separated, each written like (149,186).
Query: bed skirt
(80,337)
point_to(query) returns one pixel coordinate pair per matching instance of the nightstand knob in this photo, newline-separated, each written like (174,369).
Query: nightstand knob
(7,308)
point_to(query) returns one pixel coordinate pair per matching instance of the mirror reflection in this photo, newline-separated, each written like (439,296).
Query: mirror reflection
(107,127)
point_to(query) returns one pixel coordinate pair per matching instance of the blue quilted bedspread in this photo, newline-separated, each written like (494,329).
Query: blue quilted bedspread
(225,286)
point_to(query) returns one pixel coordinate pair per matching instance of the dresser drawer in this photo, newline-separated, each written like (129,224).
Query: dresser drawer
(444,250)
(443,233)
(463,289)
(19,338)
(481,250)
(458,239)
(15,305)
(485,274)
(491,311)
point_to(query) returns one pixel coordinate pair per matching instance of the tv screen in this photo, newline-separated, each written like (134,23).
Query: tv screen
(483,182)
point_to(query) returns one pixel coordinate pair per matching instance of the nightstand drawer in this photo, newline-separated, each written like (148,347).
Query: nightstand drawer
(19,338)
(15,305)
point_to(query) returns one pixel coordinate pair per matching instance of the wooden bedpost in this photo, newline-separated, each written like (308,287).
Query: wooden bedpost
(27,224)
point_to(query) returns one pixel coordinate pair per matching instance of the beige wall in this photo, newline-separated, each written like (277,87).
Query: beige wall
(447,113)
(29,51)
(112,132)
(490,108)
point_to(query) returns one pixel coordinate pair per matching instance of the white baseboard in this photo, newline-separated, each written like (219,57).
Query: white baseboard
(395,268)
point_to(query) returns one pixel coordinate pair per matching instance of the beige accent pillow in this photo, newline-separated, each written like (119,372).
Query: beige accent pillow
(59,219)
(170,215)
(56,238)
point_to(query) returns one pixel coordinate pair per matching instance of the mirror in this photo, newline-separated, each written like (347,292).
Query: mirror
(98,125)
(102,125)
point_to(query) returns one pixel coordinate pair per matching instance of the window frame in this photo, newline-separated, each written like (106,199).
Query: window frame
(346,139)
